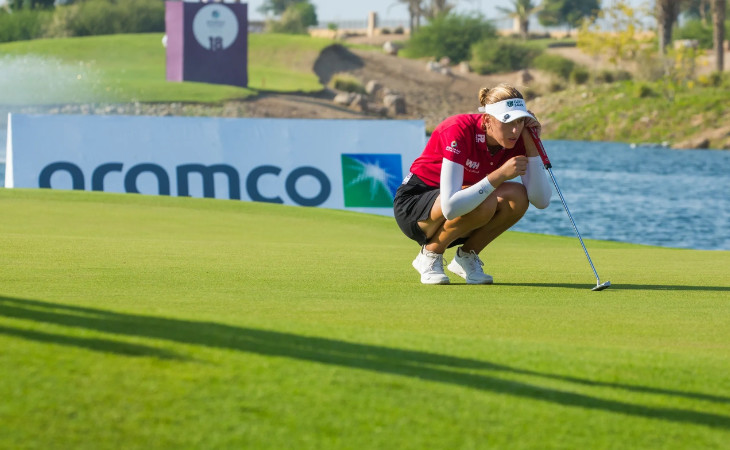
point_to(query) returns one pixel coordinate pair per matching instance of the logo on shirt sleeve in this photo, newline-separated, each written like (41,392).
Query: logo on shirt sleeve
(481,138)
(452,148)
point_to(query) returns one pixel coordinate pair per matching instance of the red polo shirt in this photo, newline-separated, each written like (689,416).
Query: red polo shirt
(461,139)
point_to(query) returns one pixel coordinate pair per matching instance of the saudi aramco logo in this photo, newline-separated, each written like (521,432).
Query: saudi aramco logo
(370,180)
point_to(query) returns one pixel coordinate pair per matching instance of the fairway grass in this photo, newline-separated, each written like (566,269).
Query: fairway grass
(131,68)
(131,321)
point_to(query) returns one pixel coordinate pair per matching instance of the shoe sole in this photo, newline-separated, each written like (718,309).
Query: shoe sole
(462,274)
(436,283)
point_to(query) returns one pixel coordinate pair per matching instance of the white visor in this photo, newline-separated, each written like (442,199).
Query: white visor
(507,110)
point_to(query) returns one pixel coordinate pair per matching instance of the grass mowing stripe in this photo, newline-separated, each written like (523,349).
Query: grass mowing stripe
(141,321)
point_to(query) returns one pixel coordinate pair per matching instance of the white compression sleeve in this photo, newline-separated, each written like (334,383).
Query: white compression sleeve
(456,201)
(536,183)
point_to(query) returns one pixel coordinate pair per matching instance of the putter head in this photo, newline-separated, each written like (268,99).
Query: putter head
(602,286)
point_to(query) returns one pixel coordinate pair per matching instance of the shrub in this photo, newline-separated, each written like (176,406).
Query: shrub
(555,86)
(623,75)
(579,75)
(610,76)
(557,65)
(714,79)
(604,76)
(451,36)
(294,20)
(95,17)
(642,90)
(347,83)
(502,55)
(23,24)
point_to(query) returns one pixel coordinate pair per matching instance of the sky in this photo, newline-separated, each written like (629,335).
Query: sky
(358,10)
(329,10)
(342,10)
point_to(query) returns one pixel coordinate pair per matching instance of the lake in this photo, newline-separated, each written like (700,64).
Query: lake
(643,195)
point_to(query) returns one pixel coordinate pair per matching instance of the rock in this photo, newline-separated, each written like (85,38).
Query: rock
(390,48)
(445,71)
(433,66)
(445,61)
(524,77)
(379,110)
(344,98)
(396,104)
(372,87)
(359,103)
(693,143)
(464,67)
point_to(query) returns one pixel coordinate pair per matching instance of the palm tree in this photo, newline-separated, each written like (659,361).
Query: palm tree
(718,33)
(667,12)
(415,10)
(521,11)
(438,7)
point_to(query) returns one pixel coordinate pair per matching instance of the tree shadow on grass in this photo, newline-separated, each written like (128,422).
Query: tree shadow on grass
(624,287)
(422,365)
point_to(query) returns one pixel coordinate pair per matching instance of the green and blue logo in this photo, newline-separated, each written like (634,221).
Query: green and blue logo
(370,180)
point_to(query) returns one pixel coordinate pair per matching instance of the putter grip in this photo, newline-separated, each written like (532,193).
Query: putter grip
(540,148)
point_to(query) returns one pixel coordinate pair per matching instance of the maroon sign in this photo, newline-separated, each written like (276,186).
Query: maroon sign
(207,42)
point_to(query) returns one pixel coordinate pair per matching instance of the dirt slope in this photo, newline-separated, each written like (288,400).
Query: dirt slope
(429,96)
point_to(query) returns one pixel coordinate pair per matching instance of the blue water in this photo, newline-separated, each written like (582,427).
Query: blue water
(644,195)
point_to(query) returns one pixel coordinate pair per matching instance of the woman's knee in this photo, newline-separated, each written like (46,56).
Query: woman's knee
(485,211)
(513,196)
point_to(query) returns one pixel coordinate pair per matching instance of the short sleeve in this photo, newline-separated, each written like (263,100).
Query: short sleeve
(453,144)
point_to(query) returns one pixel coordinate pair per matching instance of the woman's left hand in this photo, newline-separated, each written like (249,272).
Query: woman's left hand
(533,123)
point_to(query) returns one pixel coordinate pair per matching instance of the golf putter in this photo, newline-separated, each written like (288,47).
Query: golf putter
(546,162)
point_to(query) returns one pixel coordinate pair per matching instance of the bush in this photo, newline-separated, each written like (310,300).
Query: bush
(579,75)
(555,86)
(714,79)
(695,29)
(347,83)
(498,55)
(623,75)
(557,65)
(95,17)
(604,76)
(294,20)
(451,36)
(642,90)
(23,24)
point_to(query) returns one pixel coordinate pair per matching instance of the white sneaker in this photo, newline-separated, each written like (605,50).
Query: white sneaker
(431,267)
(469,267)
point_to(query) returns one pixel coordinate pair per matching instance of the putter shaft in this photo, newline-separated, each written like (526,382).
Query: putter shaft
(572,222)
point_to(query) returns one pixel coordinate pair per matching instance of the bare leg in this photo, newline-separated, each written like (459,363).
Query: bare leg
(512,203)
(499,211)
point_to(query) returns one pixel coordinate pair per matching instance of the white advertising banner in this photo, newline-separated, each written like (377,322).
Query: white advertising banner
(340,164)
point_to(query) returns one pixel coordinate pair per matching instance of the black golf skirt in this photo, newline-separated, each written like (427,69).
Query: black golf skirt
(413,202)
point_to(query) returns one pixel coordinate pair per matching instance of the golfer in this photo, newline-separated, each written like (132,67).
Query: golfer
(459,192)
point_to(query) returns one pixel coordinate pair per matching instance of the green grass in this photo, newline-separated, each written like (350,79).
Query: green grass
(131,67)
(131,321)
(616,112)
